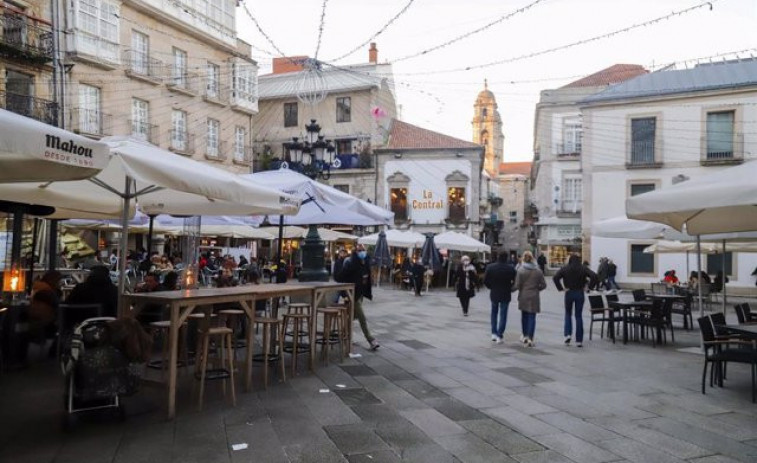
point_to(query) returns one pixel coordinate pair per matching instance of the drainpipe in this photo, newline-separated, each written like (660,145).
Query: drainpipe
(55,13)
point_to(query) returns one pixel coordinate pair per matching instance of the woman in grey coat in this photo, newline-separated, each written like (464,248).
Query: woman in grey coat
(529,281)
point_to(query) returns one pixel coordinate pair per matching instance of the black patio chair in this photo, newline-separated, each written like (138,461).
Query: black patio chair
(719,352)
(639,295)
(684,308)
(599,313)
(658,319)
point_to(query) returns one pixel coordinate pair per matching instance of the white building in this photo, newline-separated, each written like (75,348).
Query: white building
(656,130)
(556,178)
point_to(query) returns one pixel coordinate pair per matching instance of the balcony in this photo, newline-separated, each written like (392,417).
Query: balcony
(642,154)
(36,108)
(244,102)
(216,152)
(144,131)
(182,142)
(733,154)
(215,93)
(25,39)
(90,122)
(185,83)
(568,151)
(243,155)
(92,49)
(569,208)
(140,66)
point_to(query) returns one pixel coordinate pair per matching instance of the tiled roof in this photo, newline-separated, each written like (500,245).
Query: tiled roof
(405,136)
(612,75)
(703,77)
(517,168)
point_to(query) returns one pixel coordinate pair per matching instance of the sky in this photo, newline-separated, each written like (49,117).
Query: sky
(436,91)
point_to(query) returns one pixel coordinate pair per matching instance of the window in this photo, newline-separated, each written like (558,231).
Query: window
(720,135)
(513,216)
(140,58)
(344,146)
(290,115)
(715,263)
(640,188)
(484,112)
(179,68)
(14,26)
(214,129)
(572,194)
(343,109)
(179,130)
(244,76)
(89,109)
(398,200)
(240,139)
(140,117)
(643,141)
(96,29)
(212,78)
(19,90)
(572,135)
(456,201)
(641,262)
(342,188)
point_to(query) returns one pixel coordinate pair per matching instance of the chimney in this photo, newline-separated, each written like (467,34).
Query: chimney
(288,64)
(373,54)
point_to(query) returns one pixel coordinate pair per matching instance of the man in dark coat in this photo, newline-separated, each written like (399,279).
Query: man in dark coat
(541,261)
(499,278)
(417,270)
(574,277)
(357,269)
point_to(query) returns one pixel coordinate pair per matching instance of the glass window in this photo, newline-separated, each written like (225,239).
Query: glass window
(456,201)
(640,188)
(140,117)
(398,199)
(643,140)
(244,82)
(572,194)
(513,216)
(179,67)
(343,109)
(715,263)
(641,262)
(89,109)
(344,146)
(572,136)
(140,45)
(179,130)
(240,139)
(214,129)
(720,135)
(212,77)
(290,115)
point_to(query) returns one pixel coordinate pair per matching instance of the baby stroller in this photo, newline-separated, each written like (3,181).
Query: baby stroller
(96,372)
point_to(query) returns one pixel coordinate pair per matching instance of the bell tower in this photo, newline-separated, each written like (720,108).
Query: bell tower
(487,129)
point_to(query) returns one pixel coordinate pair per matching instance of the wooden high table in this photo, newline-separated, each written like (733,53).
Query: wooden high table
(183,302)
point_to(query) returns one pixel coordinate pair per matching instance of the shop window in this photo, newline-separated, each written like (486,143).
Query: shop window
(398,198)
(456,201)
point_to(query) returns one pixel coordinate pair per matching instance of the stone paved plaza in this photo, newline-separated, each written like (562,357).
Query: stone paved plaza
(438,390)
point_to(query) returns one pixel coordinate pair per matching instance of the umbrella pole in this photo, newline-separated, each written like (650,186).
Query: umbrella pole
(699,275)
(449,267)
(122,246)
(280,244)
(52,250)
(725,276)
(149,234)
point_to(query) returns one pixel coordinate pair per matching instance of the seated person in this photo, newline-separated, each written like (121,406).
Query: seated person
(97,289)
(717,285)
(670,277)
(170,282)
(165,264)
(150,312)
(43,308)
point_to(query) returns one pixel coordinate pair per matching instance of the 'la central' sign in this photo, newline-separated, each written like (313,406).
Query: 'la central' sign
(428,201)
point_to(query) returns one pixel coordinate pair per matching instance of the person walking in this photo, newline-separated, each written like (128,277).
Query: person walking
(499,278)
(541,261)
(357,269)
(529,281)
(465,283)
(602,271)
(417,270)
(612,271)
(573,278)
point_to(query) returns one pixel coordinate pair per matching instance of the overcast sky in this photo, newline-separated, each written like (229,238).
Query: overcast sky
(434,98)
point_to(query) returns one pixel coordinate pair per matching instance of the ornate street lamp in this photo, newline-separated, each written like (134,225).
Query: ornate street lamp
(314,156)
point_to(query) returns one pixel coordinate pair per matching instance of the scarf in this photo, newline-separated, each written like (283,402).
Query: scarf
(467,269)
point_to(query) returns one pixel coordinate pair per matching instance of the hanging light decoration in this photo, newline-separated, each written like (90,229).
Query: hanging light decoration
(311,85)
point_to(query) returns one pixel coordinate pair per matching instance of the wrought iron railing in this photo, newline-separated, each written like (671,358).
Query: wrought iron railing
(144,131)
(25,38)
(182,142)
(242,154)
(140,64)
(36,108)
(90,122)
(216,152)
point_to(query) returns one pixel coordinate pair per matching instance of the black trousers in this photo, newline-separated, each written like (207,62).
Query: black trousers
(465,302)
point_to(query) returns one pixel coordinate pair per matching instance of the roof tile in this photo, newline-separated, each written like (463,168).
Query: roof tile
(612,75)
(407,136)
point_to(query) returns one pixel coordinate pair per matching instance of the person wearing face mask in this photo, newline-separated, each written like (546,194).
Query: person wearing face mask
(466,282)
(357,269)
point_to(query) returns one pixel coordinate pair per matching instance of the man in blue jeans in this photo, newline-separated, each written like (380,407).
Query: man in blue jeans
(499,278)
(574,277)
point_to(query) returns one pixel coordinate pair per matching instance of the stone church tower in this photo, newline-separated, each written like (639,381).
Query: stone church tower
(487,130)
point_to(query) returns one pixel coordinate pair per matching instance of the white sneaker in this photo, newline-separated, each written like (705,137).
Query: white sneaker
(579,344)
(567,340)
(523,339)
(499,341)
(530,343)
(494,338)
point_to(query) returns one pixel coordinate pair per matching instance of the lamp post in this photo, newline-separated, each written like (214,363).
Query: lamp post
(314,156)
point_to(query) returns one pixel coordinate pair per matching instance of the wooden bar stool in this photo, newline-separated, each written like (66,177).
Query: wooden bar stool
(332,332)
(223,372)
(297,347)
(271,326)
(344,314)
(231,319)
(161,329)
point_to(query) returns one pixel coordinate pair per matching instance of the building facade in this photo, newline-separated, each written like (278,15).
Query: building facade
(431,181)
(660,129)
(556,174)
(516,233)
(487,129)
(172,73)
(27,79)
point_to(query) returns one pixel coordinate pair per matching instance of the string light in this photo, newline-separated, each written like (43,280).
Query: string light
(320,29)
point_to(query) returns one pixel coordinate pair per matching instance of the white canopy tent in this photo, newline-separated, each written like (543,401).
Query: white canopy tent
(32,151)
(396,238)
(459,242)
